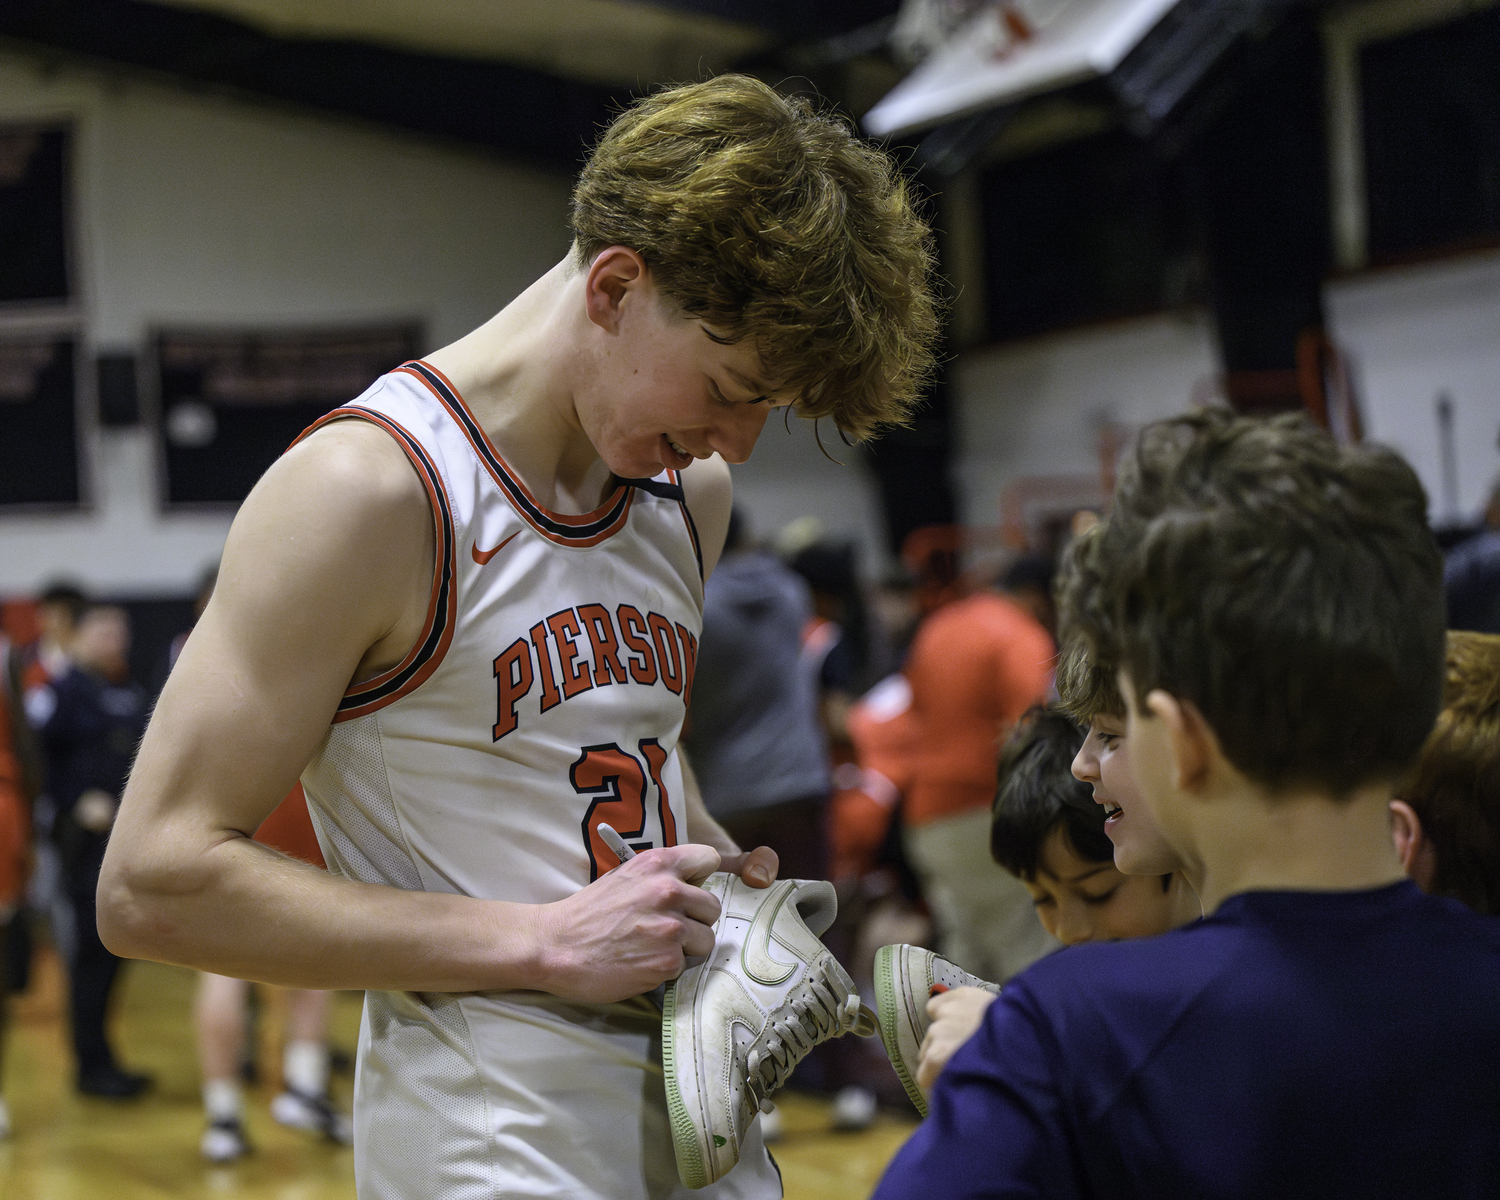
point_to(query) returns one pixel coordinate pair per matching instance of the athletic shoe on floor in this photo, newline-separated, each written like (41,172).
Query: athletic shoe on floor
(735,1025)
(314,1113)
(111,1083)
(224,1141)
(854,1108)
(906,977)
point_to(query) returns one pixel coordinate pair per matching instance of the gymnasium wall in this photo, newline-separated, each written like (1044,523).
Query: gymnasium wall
(200,209)
(196,209)
(1412,332)
(1037,408)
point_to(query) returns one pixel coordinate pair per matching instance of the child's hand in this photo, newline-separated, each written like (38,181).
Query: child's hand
(956,1015)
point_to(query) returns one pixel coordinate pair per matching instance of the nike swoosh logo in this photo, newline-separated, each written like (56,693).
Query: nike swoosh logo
(756,953)
(484,556)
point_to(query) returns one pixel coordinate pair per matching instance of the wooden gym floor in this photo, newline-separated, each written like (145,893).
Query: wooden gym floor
(68,1147)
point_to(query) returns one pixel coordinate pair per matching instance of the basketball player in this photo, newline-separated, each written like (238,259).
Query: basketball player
(465,610)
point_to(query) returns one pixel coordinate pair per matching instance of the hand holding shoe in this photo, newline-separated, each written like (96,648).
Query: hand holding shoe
(756,867)
(956,1017)
(632,929)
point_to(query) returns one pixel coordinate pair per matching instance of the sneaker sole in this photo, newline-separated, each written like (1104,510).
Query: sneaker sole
(685,1144)
(889,984)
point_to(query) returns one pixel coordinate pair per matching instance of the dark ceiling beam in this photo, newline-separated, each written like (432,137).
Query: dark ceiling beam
(516,111)
(791,20)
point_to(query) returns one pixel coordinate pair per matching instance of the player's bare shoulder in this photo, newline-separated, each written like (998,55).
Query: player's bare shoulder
(709,493)
(340,524)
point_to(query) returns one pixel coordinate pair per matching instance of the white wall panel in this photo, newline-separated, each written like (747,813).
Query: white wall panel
(1035,407)
(1417,331)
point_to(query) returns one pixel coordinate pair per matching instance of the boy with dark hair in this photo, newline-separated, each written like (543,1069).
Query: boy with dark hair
(1048,831)
(1274,602)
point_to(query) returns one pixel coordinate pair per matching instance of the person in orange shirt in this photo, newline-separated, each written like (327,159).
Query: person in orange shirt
(975,666)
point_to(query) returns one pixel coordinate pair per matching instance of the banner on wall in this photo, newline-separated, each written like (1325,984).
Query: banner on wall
(34,268)
(232,401)
(39,465)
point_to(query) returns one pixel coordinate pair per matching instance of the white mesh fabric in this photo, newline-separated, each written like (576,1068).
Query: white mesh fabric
(421,1122)
(349,797)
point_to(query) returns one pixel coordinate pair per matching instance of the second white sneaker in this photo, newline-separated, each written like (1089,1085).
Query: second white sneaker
(906,977)
(734,1026)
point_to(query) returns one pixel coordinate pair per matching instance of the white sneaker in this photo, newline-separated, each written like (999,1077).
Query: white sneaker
(734,1026)
(4,1121)
(313,1113)
(906,977)
(224,1141)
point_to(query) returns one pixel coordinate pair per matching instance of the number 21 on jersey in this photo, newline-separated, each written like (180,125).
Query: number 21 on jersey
(620,784)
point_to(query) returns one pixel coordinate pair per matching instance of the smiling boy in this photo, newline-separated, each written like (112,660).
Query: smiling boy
(1088,691)
(464,609)
(1274,604)
(1047,830)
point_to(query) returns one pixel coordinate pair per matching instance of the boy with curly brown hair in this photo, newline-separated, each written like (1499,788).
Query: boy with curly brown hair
(1446,814)
(464,609)
(1273,603)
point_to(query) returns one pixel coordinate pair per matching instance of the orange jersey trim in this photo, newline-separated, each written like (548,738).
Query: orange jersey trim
(566,529)
(417,667)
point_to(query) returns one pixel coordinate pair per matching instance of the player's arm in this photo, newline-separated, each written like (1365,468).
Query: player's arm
(709,494)
(756,867)
(325,579)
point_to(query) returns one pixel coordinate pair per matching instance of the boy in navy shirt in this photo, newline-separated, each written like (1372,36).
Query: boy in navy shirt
(1274,605)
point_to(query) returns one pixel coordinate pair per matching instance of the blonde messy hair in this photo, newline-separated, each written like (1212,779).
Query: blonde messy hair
(765,219)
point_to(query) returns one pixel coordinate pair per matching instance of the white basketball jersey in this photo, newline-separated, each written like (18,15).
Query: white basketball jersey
(544,696)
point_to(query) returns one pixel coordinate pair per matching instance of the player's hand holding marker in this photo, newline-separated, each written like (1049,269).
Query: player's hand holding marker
(633,928)
(756,867)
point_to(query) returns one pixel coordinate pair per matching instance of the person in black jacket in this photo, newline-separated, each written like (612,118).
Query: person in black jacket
(89,724)
(1471,576)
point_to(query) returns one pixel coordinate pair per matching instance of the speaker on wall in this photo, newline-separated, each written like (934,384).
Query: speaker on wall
(119,398)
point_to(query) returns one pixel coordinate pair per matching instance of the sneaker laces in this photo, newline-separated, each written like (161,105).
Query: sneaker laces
(813,1013)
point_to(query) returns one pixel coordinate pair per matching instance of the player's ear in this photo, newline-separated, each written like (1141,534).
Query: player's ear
(615,273)
(1189,740)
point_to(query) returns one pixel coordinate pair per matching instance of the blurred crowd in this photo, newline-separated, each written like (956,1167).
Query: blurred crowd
(855,728)
(71,717)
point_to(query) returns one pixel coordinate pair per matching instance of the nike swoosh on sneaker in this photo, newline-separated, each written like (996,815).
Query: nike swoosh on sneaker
(756,955)
(484,556)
